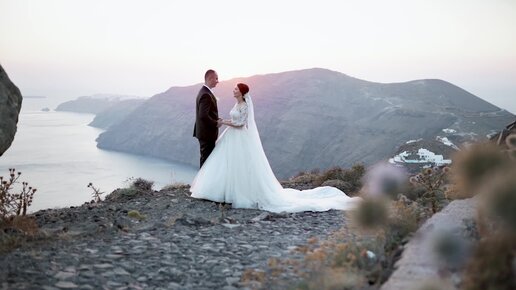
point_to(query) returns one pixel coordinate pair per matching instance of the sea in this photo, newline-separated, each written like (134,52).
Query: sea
(56,153)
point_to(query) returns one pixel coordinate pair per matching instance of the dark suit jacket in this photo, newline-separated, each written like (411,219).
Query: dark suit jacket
(206,116)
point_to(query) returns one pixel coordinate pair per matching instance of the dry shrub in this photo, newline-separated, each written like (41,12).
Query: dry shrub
(9,242)
(349,255)
(487,171)
(15,230)
(253,277)
(97,194)
(405,218)
(499,199)
(334,279)
(351,177)
(492,264)
(347,180)
(371,213)
(305,177)
(138,186)
(15,225)
(429,187)
(25,224)
(473,167)
(122,194)
(392,222)
(142,184)
(14,203)
(175,186)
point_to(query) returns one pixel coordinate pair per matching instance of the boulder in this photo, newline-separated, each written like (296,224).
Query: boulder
(10,105)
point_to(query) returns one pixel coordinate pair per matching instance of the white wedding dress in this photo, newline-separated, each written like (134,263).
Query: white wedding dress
(238,172)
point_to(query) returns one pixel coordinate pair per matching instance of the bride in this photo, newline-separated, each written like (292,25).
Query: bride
(238,172)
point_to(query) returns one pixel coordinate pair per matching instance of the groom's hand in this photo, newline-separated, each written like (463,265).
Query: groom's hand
(219,123)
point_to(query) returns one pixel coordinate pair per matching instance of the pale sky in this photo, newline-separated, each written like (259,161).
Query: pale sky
(65,48)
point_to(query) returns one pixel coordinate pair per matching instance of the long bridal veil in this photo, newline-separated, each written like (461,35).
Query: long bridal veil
(268,192)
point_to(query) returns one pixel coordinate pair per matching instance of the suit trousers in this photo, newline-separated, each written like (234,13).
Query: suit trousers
(206,149)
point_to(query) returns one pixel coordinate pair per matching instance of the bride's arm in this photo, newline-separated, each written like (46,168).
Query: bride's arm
(240,121)
(229,123)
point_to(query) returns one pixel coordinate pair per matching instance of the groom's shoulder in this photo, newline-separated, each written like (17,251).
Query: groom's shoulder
(203,90)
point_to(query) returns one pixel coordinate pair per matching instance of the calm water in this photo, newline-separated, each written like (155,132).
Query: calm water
(56,153)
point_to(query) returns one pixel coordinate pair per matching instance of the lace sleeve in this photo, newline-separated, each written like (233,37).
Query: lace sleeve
(241,119)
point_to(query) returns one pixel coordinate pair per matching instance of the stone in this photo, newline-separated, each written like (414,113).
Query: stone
(103,266)
(260,217)
(232,280)
(10,106)
(113,256)
(173,285)
(121,271)
(66,285)
(231,226)
(64,275)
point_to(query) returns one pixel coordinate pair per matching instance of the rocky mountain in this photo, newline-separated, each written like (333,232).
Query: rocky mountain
(86,104)
(10,106)
(115,113)
(313,118)
(108,109)
(92,104)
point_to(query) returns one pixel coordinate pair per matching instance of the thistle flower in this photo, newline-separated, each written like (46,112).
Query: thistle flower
(384,180)
(512,154)
(511,141)
(434,285)
(451,249)
(472,167)
(500,196)
(371,213)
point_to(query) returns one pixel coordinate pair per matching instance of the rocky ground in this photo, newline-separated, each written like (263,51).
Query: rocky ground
(172,242)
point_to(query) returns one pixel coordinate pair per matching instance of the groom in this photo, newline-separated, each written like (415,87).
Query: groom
(207,121)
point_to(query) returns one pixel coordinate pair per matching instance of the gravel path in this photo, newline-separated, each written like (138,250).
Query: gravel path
(182,243)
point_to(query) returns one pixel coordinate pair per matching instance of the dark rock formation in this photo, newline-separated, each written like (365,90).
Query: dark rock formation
(10,105)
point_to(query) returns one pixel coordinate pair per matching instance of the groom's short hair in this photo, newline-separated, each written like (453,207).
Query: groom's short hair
(208,74)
